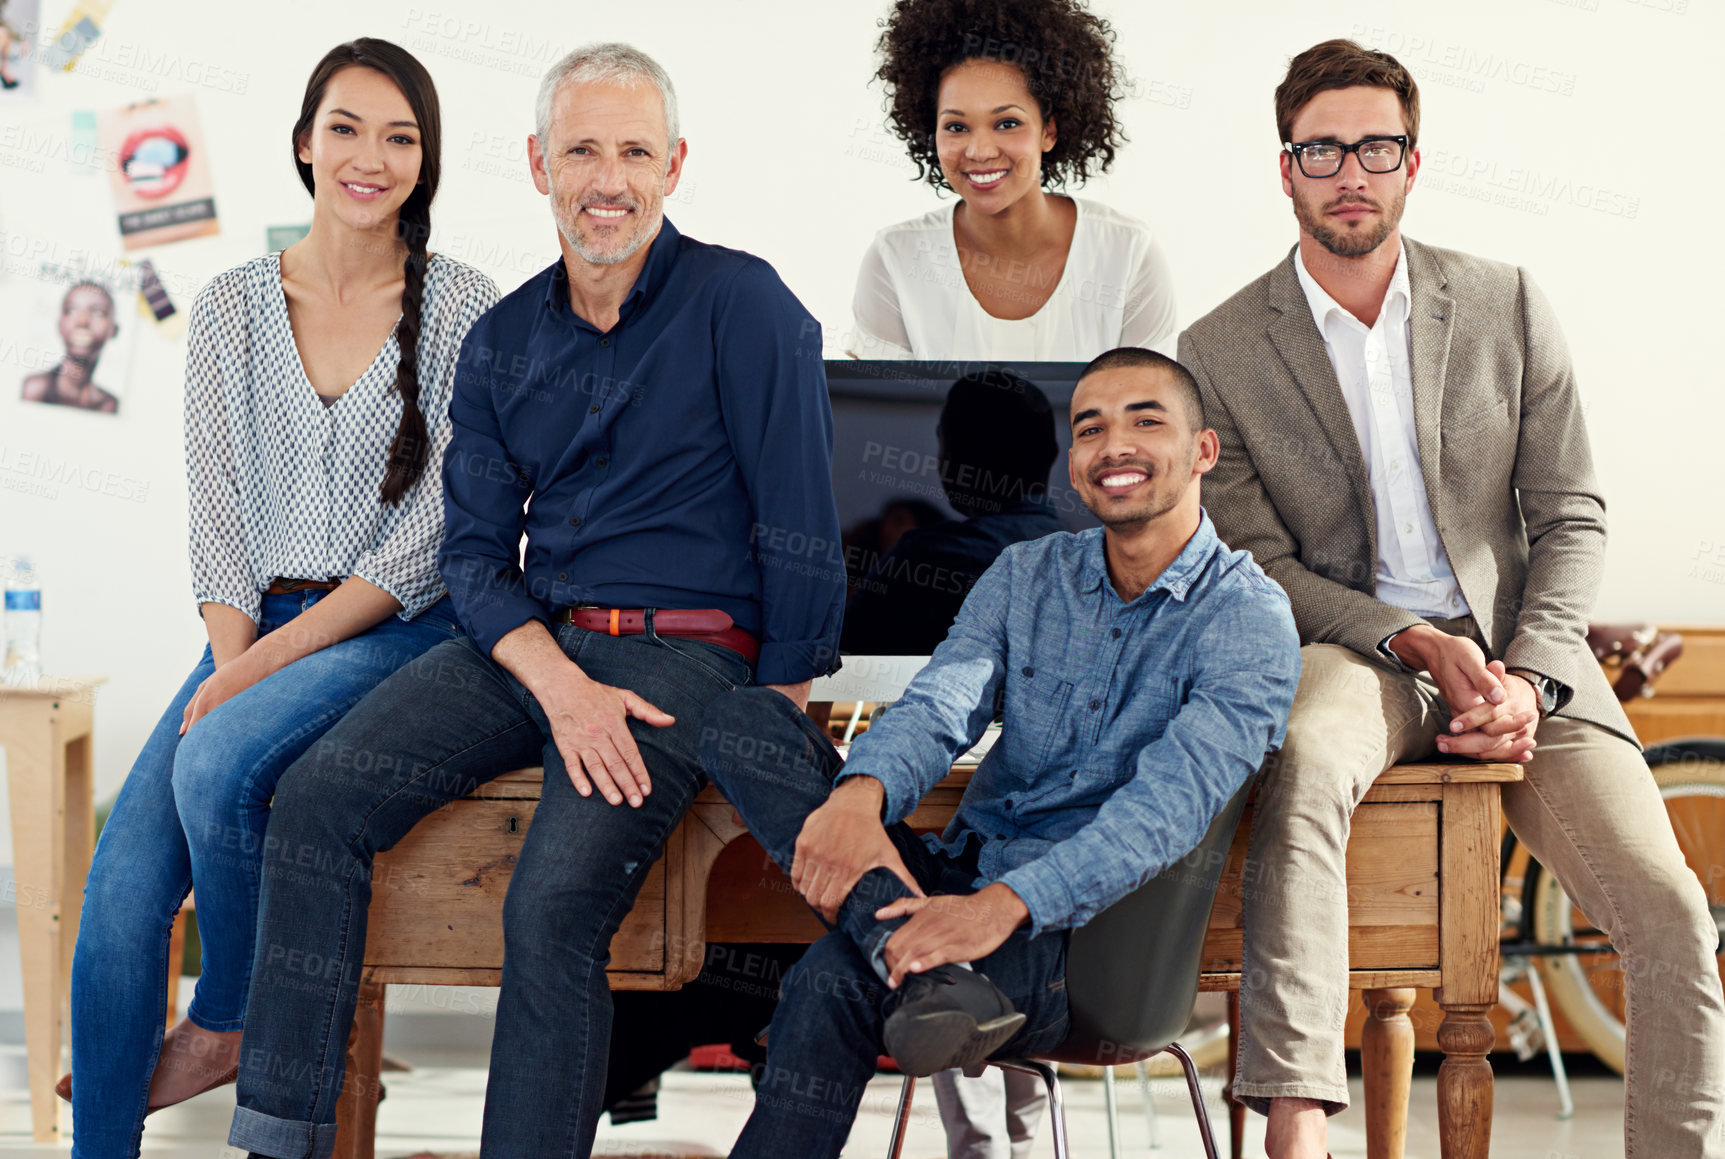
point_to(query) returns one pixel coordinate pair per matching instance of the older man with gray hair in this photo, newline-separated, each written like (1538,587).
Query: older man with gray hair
(650,412)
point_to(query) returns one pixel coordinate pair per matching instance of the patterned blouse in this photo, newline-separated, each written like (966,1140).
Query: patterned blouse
(281,484)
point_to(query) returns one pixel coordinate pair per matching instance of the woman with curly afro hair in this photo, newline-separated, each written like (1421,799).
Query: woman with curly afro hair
(1007,103)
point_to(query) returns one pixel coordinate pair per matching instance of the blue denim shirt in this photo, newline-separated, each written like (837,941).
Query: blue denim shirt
(1127,726)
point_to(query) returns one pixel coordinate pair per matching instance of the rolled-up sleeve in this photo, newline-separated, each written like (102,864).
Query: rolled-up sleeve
(484,507)
(221,573)
(404,560)
(1235,714)
(773,396)
(946,707)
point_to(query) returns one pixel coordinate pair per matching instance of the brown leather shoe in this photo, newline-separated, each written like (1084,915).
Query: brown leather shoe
(63,1088)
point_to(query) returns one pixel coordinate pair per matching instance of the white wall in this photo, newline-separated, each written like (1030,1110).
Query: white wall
(1576,138)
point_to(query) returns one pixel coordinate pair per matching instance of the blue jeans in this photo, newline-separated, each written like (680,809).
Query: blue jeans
(776,767)
(433,733)
(193,809)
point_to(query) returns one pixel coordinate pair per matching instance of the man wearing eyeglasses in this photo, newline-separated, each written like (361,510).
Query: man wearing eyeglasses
(1402,449)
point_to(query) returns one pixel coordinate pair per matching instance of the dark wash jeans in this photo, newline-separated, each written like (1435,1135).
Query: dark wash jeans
(776,767)
(432,733)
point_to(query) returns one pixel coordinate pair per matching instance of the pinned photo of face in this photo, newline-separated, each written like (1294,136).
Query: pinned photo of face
(88,325)
(17,30)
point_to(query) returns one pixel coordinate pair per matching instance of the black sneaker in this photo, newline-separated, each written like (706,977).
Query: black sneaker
(947,1017)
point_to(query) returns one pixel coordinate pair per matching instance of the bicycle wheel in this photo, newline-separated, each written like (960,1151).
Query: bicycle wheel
(1588,986)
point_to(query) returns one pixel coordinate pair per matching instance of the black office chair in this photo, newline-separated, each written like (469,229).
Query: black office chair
(1131,980)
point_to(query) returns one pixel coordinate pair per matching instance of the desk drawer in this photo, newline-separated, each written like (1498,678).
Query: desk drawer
(437,897)
(1392,890)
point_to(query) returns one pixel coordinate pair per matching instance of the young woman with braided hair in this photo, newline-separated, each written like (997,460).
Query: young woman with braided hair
(317,400)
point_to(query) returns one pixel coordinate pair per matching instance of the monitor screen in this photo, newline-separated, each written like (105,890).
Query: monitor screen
(937,468)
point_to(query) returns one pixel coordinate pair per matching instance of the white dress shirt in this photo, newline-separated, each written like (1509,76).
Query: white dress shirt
(912,301)
(1375,368)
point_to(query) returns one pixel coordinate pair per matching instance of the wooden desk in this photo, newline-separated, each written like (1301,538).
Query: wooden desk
(1422,888)
(46,732)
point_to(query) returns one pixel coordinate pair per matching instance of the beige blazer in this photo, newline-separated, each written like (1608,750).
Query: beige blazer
(1502,446)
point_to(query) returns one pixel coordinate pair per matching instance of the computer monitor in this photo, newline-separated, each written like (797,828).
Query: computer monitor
(937,467)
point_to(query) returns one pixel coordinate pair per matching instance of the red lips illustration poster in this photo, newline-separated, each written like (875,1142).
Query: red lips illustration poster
(161,175)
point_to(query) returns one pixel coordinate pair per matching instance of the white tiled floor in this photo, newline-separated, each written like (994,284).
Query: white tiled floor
(437,1107)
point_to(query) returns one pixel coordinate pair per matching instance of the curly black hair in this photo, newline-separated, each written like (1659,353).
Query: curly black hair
(1066,55)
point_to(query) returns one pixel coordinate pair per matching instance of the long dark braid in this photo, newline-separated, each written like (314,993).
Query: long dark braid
(408,453)
(410,450)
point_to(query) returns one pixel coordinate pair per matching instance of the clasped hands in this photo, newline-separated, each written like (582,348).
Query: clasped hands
(844,839)
(1495,712)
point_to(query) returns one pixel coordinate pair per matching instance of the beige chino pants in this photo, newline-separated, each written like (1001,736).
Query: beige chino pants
(1588,810)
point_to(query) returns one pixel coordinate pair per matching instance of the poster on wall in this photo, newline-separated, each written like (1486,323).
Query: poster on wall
(162,186)
(83,25)
(18,31)
(76,341)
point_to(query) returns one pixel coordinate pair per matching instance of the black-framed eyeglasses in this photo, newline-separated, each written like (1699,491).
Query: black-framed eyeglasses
(1324,158)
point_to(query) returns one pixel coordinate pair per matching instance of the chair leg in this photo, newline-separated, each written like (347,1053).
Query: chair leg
(1236,1111)
(1151,1129)
(1056,1102)
(1197,1093)
(1111,1102)
(901,1120)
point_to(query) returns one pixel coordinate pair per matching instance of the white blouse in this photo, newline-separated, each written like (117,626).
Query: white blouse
(912,300)
(281,484)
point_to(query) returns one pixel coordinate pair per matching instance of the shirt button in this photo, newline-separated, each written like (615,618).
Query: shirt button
(1030,671)
(601,462)
(575,522)
(1115,633)
(562,575)
(594,409)
(1095,704)
(604,342)
(1407,529)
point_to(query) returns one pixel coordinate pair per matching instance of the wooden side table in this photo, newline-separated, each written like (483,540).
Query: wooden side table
(46,732)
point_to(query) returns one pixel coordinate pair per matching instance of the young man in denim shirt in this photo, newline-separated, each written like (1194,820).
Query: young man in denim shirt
(1143,670)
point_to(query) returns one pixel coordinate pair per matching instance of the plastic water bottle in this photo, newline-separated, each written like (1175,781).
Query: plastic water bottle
(23,624)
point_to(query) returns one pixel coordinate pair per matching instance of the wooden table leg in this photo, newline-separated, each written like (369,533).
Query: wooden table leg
(1387,1064)
(176,963)
(356,1110)
(48,775)
(1236,1111)
(1469,917)
(1464,1081)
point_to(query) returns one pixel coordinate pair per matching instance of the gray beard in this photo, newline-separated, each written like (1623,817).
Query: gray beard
(597,257)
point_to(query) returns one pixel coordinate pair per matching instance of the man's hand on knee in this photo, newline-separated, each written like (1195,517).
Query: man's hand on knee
(590,725)
(841,841)
(950,928)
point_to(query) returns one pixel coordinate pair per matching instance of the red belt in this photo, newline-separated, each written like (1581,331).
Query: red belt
(709,624)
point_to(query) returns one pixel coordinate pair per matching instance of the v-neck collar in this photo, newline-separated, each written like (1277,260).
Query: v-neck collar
(311,394)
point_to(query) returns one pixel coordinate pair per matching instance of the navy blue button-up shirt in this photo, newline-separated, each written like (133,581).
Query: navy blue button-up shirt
(682,459)
(1127,726)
